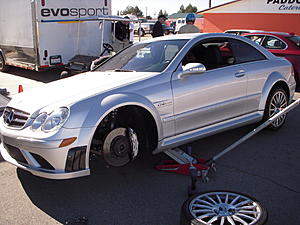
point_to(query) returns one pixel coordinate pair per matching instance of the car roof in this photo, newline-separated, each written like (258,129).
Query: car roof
(243,30)
(278,34)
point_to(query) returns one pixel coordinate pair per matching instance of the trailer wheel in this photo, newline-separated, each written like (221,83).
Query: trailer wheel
(277,100)
(222,207)
(3,66)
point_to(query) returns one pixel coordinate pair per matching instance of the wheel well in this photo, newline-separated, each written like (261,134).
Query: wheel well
(282,85)
(132,116)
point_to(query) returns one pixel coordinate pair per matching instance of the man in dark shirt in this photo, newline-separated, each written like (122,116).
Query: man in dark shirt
(122,30)
(158,28)
(121,35)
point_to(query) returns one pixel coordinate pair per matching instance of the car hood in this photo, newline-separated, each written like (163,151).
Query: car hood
(69,90)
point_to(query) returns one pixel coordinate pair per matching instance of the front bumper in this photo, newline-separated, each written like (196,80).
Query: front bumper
(43,157)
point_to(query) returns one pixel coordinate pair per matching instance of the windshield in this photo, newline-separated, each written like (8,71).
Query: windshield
(296,40)
(144,57)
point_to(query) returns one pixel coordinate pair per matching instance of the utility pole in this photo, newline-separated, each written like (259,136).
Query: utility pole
(209,6)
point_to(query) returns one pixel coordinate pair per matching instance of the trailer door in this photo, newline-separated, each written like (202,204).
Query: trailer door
(61,36)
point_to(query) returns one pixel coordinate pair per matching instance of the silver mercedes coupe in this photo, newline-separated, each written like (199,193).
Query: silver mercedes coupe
(152,96)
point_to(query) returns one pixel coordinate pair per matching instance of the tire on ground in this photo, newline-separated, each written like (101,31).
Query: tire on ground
(186,217)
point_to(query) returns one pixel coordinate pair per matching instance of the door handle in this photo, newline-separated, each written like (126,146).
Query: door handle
(240,73)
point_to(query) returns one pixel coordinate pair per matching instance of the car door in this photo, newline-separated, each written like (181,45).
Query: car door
(208,98)
(256,66)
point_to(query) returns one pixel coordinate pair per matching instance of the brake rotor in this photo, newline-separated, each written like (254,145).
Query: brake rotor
(120,147)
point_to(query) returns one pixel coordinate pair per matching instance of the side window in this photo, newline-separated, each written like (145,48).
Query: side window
(273,43)
(256,38)
(244,52)
(213,53)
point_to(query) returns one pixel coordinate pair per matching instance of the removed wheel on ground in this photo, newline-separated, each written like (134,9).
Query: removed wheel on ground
(222,208)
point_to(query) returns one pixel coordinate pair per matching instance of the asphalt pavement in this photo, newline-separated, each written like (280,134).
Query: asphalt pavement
(265,167)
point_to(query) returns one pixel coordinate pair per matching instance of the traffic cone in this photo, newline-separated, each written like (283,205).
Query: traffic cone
(20,88)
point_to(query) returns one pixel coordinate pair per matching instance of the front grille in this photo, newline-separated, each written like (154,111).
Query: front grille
(14,117)
(15,153)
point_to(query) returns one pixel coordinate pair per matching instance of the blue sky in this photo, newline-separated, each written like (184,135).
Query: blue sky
(153,6)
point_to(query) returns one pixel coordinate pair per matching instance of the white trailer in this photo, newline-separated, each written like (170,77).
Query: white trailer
(40,34)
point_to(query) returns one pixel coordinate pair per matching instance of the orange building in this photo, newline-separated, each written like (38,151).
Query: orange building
(268,15)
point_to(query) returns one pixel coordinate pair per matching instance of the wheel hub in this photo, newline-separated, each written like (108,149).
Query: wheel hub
(224,210)
(120,147)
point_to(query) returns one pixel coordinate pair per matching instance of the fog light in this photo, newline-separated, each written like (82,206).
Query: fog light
(67,142)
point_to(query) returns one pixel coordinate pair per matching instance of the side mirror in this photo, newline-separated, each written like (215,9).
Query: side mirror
(192,69)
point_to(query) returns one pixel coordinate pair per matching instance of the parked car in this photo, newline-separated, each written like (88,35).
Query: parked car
(152,96)
(168,29)
(145,28)
(241,31)
(281,44)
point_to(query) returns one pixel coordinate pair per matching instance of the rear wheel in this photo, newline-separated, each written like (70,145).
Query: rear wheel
(277,101)
(3,67)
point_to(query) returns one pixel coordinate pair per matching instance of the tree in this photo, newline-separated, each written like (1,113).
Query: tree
(188,9)
(191,9)
(166,14)
(160,12)
(182,9)
(163,13)
(133,11)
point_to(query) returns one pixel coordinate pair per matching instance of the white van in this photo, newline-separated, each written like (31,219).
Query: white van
(179,23)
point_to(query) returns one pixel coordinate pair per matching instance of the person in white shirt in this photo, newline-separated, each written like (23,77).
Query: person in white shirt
(131,33)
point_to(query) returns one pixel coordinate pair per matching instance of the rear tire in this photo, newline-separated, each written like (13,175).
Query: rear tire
(277,100)
(3,66)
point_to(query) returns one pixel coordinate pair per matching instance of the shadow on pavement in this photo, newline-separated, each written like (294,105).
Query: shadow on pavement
(135,194)
(42,76)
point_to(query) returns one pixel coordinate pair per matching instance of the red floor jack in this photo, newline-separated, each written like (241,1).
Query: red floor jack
(184,163)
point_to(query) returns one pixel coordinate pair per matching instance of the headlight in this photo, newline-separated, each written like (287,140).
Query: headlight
(37,123)
(52,121)
(55,119)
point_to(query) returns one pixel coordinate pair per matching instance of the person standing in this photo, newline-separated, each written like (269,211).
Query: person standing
(131,33)
(189,27)
(121,38)
(158,28)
